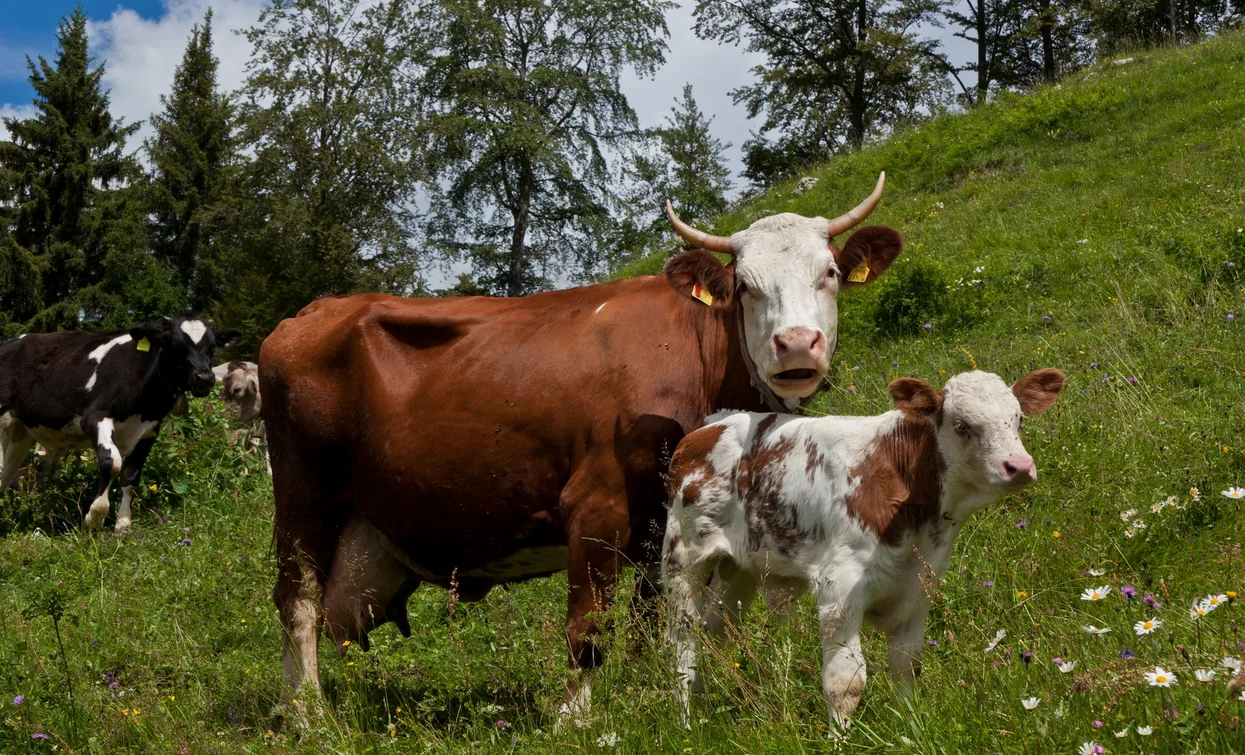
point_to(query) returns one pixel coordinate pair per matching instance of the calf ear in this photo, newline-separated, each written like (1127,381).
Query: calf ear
(156,333)
(226,338)
(697,273)
(915,398)
(875,247)
(1038,390)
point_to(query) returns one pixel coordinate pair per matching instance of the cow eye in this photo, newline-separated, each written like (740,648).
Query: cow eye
(963,430)
(743,287)
(833,272)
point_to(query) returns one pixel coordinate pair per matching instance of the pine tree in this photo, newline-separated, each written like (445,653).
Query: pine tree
(192,154)
(66,212)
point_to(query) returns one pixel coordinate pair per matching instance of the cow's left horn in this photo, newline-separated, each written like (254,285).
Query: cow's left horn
(860,212)
(701,239)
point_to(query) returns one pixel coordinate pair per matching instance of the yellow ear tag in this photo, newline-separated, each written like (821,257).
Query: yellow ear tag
(699,292)
(859,274)
(143,345)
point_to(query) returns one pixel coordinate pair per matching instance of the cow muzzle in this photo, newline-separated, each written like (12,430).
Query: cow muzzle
(201,386)
(801,356)
(1019,469)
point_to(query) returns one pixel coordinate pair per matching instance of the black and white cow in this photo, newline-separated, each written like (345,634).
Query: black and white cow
(106,391)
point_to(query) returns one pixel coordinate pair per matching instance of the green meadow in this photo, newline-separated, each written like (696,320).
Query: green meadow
(1097,227)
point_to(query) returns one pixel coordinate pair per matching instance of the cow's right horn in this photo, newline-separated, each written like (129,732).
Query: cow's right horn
(858,213)
(694,237)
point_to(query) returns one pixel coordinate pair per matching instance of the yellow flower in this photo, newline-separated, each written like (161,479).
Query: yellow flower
(346,644)
(398,710)
(350,663)
(153,487)
(1231,594)
(1055,533)
(135,711)
(736,665)
(1021,595)
(172,698)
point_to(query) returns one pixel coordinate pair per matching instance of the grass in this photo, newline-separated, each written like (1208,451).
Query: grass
(1085,227)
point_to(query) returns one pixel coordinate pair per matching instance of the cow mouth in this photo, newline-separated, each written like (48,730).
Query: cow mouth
(802,375)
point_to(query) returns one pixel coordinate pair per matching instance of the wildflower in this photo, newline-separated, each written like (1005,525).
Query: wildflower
(1242,697)
(928,325)
(607,740)
(1171,500)
(1126,515)
(1096,572)
(1234,493)
(1232,663)
(185,542)
(1231,317)
(1128,591)
(1096,593)
(1030,702)
(1157,508)
(1027,657)
(1145,731)
(1151,601)
(38,736)
(1091,629)
(894,363)
(1055,533)
(1097,724)
(1129,532)
(345,643)
(1126,654)
(1195,494)
(1160,678)
(998,637)
(988,583)
(153,487)
(1067,667)
(1021,595)
(932,643)
(1132,381)
(1204,675)
(1198,609)
(501,723)
(856,368)
(1214,601)
(1121,734)
(1045,318)
(1147,626)
(1231,595)
(19,699)
(1020,524)
(1056,660)
(1091,748)
(1139,524)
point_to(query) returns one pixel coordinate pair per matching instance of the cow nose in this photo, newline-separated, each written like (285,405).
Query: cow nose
(800,342)
(1019,468)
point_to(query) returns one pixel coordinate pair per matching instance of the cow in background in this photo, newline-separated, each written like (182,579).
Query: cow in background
(105,391)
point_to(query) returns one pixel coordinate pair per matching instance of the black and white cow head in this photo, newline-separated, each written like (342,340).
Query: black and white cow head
(184,347)
(785,281)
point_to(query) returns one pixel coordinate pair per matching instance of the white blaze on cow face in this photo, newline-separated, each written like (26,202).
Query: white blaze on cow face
(789,285)
(195,329)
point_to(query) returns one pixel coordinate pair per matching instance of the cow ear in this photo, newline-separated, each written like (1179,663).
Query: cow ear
(698,274)
(156,333)
(227,337)
(1038,390)
(915,398)
(867,253)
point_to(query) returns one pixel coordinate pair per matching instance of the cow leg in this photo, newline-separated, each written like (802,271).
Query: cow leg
(841,614)
(130,472)
(732,594)
(109,459)
(905,644)
(598,532)
(685,600)
(15,443)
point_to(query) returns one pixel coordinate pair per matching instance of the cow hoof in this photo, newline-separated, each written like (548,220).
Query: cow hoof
(94,518)
(123,526)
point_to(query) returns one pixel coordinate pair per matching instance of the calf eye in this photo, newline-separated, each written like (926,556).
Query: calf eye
(963,430)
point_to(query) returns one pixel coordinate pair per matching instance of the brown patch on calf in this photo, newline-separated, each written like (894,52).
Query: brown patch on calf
(900,482)
(915,398)
(760,487)
(1038,390)
(689,268)
(690,457)
(816,459)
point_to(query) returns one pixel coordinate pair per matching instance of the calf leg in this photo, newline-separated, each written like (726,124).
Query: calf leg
(108,456)
(130,473)
(685,599)
(15,443)
(904,646)
(843,665)
(731,594)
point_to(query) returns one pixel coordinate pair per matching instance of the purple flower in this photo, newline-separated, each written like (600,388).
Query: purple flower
(1231,317)
(1129,591)
(928,325)
(894,363)
(1045,318)
(851,389)
(932,643)
(988,583)
(1020,524)
(19,699)
(1229,263)
(186,542)
(71,545)
(1132,381)
(114,685)
(501,724)
(1027,657)
(1057,661)
(39,737)
(1126,654)
(1150,600)
(1105,378)
(186,530)
(1097,724)
(856,368)
(1092,365)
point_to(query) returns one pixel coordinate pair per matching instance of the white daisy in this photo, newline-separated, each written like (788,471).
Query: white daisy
(1121,734)
(1204,675)
(1139,525)
(1234,493)
(1099,593)
(1147,626)
(1030,702)
(1091,748)
(1157,508)
(998,637)
(1091,629)
(1129,532)
(1095,572)
(1232,663)
(1145,731)
(1067,666)
(1172,500)
(1198,610)
(1126,515)
(1194,493)
(1214,601)
(1242,697)
(1160,677)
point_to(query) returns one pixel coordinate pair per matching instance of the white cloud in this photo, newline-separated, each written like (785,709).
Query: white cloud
(140,54)
(21,112)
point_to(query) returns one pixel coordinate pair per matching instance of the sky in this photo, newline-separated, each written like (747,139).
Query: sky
(142,41)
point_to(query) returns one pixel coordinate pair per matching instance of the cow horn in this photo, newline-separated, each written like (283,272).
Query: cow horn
(860,212)
(694,237)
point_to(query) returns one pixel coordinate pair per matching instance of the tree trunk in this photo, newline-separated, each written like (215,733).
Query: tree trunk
(1049,71)
(856,137)
(1171,14)
(518,236)
(983,63)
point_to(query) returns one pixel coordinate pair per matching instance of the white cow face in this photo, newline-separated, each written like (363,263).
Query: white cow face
(785,284)
(978,418)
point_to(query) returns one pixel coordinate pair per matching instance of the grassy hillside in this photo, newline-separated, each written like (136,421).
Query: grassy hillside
(1095,227)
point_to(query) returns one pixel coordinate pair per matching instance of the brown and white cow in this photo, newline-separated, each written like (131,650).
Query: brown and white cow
(858,510)
(472,441)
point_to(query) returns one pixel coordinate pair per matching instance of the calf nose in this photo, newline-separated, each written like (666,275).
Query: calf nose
(1019,468)
(800,342)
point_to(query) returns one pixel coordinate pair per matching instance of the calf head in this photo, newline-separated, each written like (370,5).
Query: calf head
(977,418)
(183,347)
(240,390)
(784,281)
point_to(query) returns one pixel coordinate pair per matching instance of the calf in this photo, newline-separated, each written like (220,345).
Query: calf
(858,510)
(106,391)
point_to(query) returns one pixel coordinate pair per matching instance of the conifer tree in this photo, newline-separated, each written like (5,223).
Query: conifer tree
(192,154)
